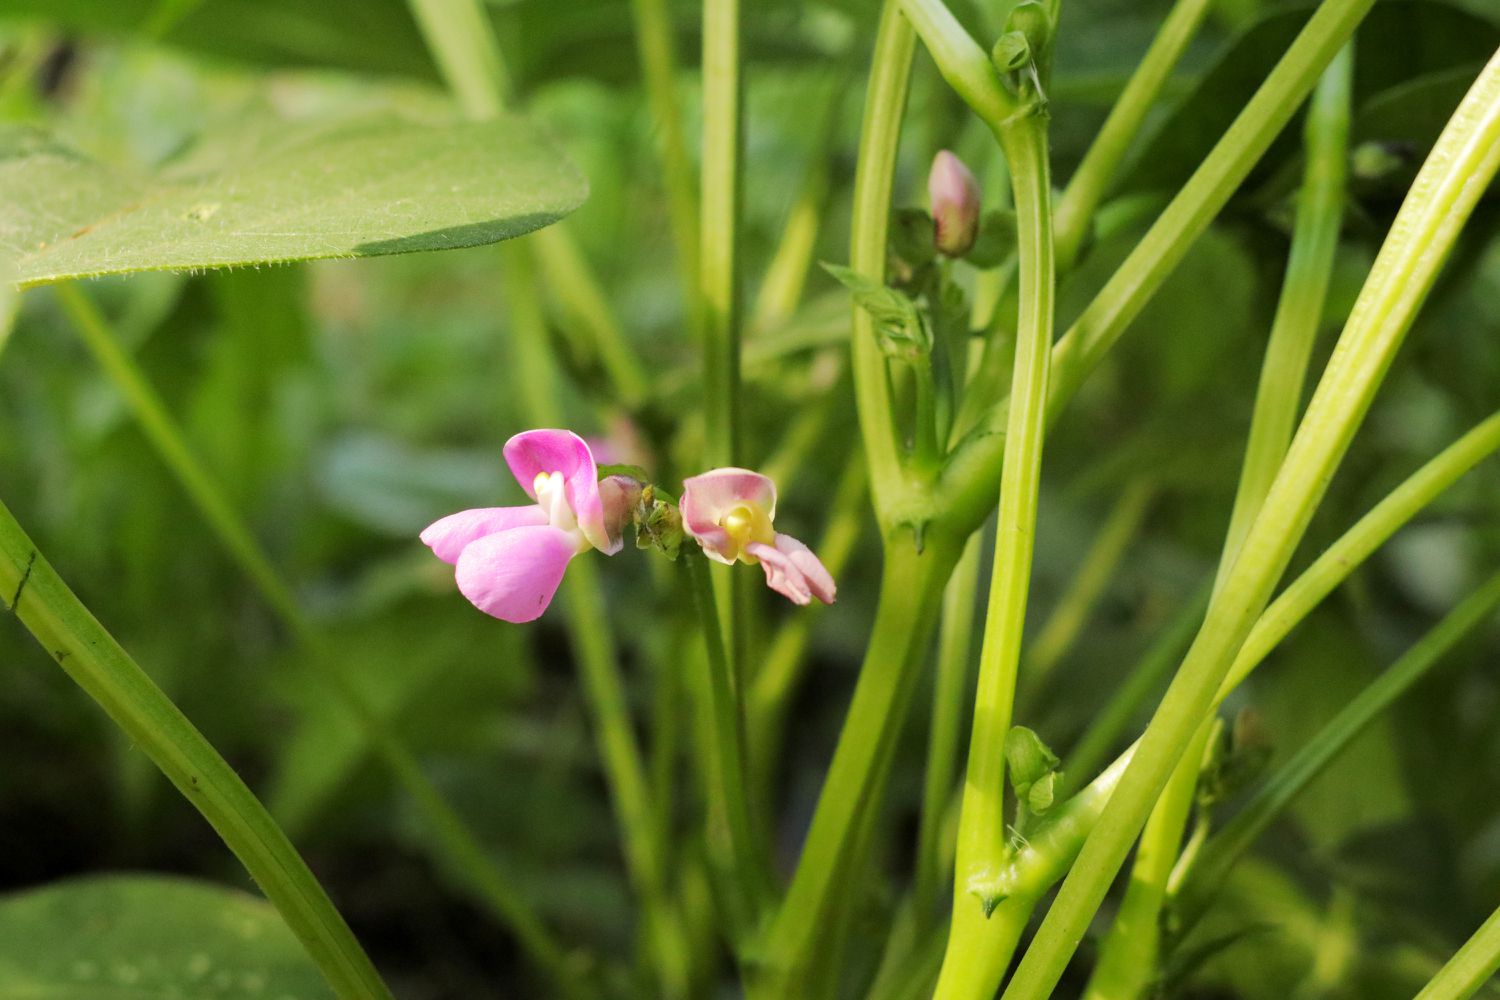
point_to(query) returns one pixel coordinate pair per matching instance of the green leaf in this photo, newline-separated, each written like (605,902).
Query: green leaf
(898,322)
(278,192)
(136,937)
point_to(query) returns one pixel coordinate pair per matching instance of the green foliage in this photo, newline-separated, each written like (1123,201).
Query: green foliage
(127,937)
(278,192)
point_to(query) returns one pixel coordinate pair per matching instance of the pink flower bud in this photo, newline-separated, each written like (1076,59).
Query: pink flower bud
(955,205)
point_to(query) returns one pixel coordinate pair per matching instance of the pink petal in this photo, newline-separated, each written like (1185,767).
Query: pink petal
(782,574)
(708,497)
(819,580)
(448,536)
(513,575)
(532,453)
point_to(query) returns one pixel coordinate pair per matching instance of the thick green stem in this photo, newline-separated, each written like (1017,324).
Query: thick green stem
(949,699)
(1096,173)
(982,842)
(1193,888)
(974,468)
(785,661)
(910,589)
(90,655)
(1129,954)
(1443,196)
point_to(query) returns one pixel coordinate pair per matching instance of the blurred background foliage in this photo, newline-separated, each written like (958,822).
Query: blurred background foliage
(345,404)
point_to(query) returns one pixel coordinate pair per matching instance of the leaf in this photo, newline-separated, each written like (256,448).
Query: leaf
(898,322)
(278,192)
(141,937)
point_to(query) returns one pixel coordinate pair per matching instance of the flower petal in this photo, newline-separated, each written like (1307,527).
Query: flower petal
(448,536)
(708,497)
(819,580)
(782,574)
(513,575)
(532,453)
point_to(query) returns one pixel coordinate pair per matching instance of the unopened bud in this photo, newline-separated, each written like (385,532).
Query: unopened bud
(955,205)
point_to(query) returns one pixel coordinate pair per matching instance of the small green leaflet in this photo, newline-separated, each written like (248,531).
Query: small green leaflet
(277,191)
(128,937)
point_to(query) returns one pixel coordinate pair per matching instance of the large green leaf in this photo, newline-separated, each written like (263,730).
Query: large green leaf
(141,937)
(278,192)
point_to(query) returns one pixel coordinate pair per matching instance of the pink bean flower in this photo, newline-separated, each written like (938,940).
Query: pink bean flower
(729,513)
(510,560)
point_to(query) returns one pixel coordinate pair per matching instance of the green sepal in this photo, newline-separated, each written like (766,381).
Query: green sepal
(658,523)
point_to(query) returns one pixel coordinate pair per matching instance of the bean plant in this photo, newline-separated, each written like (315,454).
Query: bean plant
(1129,582)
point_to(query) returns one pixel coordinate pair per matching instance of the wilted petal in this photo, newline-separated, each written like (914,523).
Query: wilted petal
(448,537)
(513,575)
(782,574)
(618,496)
(708,498)
(819,580)
(543,452)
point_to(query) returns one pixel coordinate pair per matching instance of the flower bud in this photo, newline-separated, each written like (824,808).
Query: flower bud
(955,205)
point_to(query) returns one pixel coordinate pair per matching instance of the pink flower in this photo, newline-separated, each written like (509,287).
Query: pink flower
(510,560)
(729,512)
(955,204)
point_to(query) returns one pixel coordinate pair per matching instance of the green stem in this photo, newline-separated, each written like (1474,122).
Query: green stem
(1060,630)
(1299,311)
(452,837)
(723,128)
(949,699)
(874,177)
(785,662)
(727,792)
(1443,196)
(574,291)
(91,656)
(1330,569)
(1470,968)
(910,588)
(1195,887)
(1144,679)
(982,841)
(1096,173)
(459,34)
(974,468)
(653,34)
(460,38)
(593,643)
(1358,543)
(1129,955)
(786,275)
